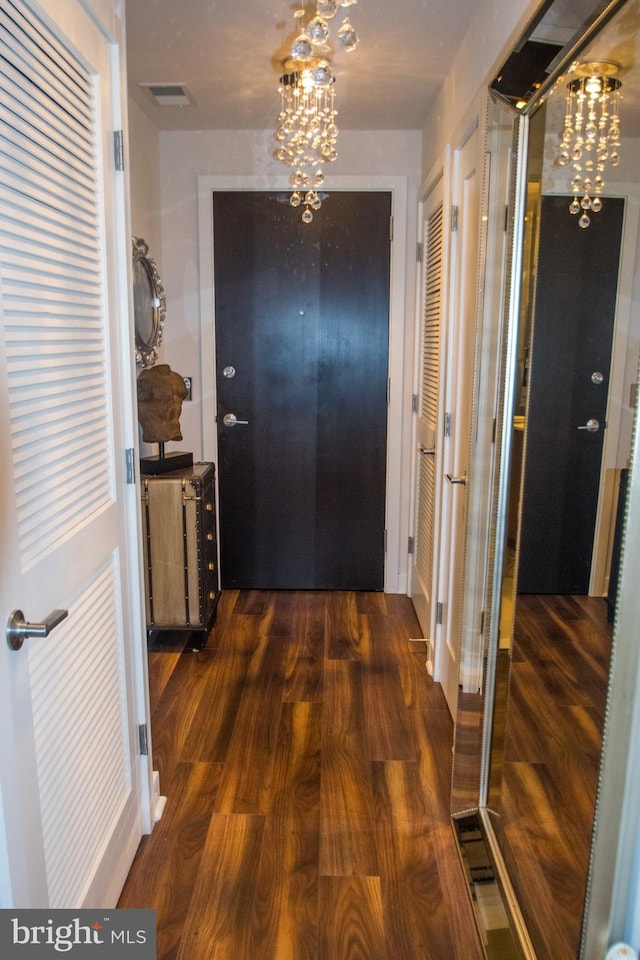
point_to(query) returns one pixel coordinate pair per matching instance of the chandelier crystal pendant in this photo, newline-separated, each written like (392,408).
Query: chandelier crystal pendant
(307,132)
(591,136)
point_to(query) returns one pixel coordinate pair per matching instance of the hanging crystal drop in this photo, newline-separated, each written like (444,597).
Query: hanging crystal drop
(348,36)
(307,216)
(295,199)
(584,221)
(318,31)
(574,206)
(301,48)
(321,74)
(596,205)
(327,8)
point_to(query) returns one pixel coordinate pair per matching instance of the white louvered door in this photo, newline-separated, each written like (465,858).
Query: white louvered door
(71,793)
(424,573)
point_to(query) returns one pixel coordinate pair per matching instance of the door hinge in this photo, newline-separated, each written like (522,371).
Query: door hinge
(482,623)
(494,430)
(386,537)
(506,218)
(390,228)
(411,545)
(454,219)
(130,465)
(415,399)
(118,149)
(388,390)
(143,738)
(419,252)
(439,614)
(447,424)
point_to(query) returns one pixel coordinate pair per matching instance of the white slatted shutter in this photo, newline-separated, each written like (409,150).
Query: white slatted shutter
(432,309)
(423,581)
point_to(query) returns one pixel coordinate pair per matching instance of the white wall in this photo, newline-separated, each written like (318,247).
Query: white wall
(144,176)
(142,145)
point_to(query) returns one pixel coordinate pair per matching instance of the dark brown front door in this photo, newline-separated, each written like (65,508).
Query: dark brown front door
(302,326)
(575,303)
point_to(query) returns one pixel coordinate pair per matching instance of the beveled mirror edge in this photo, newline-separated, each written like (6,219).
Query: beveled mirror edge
(504,436)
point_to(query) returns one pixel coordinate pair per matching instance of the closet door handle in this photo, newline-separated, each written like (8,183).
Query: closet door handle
(462,479)
(18,629)
(428,453)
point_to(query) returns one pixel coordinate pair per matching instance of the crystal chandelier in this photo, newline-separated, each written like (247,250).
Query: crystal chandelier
(307,131)
(591,136)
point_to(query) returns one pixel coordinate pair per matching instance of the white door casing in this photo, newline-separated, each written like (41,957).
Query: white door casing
(73,787)
(428,432)
(397,512)
(458,396)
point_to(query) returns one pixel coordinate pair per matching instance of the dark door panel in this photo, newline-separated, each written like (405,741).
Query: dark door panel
(302,315)
(575,302)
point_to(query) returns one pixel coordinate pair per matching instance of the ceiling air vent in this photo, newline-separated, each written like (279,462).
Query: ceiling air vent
(169,94)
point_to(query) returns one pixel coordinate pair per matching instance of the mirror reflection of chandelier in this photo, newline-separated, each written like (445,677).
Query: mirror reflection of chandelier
(307,132)
(591,136)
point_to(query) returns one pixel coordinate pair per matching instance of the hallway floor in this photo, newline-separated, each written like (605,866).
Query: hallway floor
(305,755)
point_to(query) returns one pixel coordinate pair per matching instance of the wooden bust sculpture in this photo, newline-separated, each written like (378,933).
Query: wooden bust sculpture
(160,394)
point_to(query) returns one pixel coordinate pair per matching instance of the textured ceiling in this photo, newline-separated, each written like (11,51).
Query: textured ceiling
(229,55)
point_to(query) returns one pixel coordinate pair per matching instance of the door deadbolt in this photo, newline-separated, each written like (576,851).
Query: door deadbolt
(229,373)
(597,378)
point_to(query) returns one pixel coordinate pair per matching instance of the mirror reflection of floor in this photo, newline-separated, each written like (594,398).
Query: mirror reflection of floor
(507,599)
(553,716)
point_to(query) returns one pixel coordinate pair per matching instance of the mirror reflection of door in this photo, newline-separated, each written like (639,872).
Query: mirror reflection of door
(578,355)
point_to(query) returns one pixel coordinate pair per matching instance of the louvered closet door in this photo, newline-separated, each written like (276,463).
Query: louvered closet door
(70,786)
(428,454)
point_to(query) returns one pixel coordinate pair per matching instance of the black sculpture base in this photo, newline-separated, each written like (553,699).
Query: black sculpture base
(165,463)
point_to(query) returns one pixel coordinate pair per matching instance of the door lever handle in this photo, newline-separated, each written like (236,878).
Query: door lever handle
(230,420)
(18,629)
(428,453)
(591,426)
(462,479)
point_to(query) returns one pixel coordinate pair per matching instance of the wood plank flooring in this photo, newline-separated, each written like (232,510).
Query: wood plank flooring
(306,757)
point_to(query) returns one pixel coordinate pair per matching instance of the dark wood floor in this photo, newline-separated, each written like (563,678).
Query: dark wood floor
(306,758)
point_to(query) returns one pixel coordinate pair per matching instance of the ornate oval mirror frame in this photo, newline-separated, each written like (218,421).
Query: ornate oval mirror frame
(149,305)
(594,898)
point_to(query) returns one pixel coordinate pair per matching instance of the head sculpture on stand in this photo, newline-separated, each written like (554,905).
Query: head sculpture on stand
(160,394)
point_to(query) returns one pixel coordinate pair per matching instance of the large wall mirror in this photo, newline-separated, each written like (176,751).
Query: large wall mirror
(529,743)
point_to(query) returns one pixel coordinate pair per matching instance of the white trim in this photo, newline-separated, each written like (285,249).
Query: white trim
(397,464)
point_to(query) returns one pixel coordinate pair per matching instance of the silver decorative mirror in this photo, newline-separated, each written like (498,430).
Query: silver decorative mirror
(149,305)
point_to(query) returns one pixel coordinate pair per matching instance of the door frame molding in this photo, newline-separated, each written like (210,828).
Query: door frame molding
(398,446)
